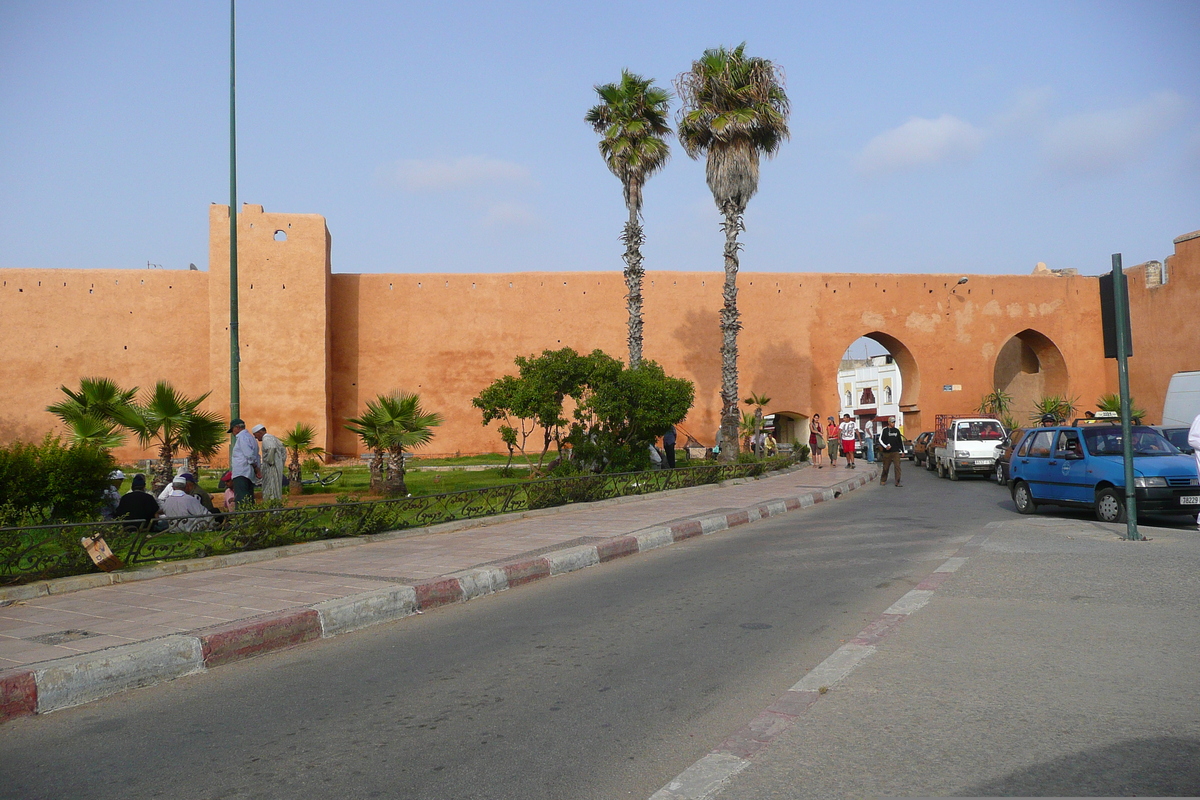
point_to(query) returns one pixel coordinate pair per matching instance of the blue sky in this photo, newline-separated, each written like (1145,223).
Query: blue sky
(926,137)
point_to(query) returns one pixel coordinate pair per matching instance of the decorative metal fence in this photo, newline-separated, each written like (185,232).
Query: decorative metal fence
(54,550)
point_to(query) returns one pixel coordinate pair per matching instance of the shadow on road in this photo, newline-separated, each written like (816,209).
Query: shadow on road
(1164,766)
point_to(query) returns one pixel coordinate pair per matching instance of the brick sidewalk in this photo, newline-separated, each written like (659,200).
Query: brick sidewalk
(281,598)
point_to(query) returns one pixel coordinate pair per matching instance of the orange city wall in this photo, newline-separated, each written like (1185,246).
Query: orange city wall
(315,345)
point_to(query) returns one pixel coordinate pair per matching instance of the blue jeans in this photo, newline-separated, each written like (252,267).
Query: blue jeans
(870,449)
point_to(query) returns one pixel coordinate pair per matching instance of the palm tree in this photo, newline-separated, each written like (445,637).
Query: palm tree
(734,110)
(632,121)
(91,411)
(1112,402)
(392,424)
(203,436)
(164,418)
(758,401)
(299,442)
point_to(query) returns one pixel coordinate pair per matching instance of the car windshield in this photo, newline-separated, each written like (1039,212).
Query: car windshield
(1177,437)
(1107,441)
(979,431)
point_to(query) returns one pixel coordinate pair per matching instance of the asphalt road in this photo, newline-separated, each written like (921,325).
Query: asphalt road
(604,683)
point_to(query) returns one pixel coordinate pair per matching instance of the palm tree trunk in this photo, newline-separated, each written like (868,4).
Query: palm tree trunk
(376,469)
(294,475)
(395,481)
(633,239)
(730,325)
(164,469)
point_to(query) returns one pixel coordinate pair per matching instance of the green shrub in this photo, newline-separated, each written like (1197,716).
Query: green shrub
(52,481)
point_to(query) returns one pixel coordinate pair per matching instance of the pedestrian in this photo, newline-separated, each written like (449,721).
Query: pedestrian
(1194,440)
(183,508)
(869,440)
(669,439)
(771,443)
(833,439)
(245,463)
(849,433)
(226,486)
(274,461)
(891,442)
(816,440)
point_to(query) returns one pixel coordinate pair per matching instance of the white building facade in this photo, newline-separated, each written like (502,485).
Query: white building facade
(869,390)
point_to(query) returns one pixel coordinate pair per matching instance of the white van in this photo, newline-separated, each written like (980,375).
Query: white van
(1183,400)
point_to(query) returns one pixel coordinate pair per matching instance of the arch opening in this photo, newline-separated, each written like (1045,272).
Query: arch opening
(1028,368)
(878,377)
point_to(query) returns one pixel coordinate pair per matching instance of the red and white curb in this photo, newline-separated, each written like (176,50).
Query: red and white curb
(54,685)
(706,778)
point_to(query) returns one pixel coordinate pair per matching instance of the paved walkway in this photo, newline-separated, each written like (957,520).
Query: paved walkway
(61,644)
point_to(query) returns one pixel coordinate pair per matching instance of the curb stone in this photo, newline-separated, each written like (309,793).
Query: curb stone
(75,680)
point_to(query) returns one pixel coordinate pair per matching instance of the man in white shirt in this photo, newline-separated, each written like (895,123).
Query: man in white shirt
(849,434)
(1194,440)
(245,463)
(183,510)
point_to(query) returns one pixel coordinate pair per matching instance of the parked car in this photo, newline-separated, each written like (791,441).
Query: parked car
(920,445)
(965,445)
(1177,437)
(1083,466)
(1004,454)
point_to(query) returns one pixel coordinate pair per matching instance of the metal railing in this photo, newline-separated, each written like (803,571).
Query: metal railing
(54,550)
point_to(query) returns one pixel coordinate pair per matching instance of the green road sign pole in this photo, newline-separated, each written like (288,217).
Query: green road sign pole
(1121,313)
(235,399)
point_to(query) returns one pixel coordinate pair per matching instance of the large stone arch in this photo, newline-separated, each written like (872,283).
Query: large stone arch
(910,376)
(1028,367)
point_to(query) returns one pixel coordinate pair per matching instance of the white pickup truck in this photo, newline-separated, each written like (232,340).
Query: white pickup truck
(965,446)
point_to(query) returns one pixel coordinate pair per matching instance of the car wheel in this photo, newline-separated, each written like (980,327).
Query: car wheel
(1110,506)
(1023,499)
(1000,479)
(929,463)
(951,471)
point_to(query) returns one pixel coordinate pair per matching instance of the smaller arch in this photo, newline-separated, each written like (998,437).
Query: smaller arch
(1029,367)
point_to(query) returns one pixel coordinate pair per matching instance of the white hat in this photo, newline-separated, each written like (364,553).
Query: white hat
(258,427)
(116,475)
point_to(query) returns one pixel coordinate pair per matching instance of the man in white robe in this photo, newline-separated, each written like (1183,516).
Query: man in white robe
(274,462)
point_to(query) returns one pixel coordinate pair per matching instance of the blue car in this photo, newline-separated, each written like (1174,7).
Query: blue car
(1082,466)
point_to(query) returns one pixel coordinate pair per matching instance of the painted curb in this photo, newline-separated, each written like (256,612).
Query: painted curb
(63,683)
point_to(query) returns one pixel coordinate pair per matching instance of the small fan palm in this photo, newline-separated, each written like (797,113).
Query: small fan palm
(734,111)
(632,121)
(204,435)
(758,401)
(163,418)
(392,424)
(91,412)
(299,443)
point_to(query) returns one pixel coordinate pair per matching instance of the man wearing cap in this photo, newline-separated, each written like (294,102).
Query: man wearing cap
(245,464)
(892,443)
(274,460)
(183,509)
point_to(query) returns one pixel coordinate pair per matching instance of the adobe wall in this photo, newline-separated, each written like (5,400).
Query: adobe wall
(315,345)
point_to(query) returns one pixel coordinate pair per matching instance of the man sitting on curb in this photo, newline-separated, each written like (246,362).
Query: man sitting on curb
(139,507)
(892,444)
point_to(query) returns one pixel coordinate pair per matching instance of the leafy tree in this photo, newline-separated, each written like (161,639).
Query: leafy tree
(169,419)
(623,410)
(90,412)
(734,111)
(533,399)
(299,442)
(392,424)
(632,121)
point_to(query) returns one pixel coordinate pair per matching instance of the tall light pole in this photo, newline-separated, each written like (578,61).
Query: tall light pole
(235,400)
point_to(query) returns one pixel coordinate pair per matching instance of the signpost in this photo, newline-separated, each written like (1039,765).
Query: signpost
(1121,335)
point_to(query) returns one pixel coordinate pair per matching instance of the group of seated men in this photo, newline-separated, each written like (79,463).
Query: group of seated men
(182,506)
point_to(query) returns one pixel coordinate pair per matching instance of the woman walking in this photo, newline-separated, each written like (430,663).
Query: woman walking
(833,440)
(816,440)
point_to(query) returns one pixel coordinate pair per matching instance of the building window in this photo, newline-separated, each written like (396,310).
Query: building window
(849,399)
(887,395)
(868,397)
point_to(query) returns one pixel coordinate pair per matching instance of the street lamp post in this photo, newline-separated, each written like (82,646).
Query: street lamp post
(235,400)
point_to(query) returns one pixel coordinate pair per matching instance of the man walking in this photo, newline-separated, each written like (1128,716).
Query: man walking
(849,434)
(892,444)
(274,461)
(669,439)
(245,464)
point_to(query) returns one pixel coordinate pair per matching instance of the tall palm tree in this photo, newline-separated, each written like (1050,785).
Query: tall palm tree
(632,121)
(392,424)
(734,110)
(163,417)
(299,442)
(91,411)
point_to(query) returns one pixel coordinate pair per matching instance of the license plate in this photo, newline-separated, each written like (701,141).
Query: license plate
(1190,500)
(984,462)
